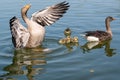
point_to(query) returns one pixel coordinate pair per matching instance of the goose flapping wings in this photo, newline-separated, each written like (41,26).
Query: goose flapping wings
(33,35)
(49,15)
(20,34)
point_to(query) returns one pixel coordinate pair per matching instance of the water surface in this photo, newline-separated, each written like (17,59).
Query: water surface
(63,62)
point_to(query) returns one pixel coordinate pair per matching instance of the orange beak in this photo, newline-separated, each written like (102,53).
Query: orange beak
(28,6)
(114,18)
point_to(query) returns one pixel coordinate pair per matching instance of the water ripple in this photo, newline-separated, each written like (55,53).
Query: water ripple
(62,62)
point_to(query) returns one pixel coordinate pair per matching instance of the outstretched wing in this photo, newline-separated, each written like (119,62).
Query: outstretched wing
(20,35)
(49,15)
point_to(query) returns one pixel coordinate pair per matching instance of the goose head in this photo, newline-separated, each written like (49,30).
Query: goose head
(109,18)
(107,22)
(25,8)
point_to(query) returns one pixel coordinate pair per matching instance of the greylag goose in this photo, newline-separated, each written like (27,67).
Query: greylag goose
(100,35)
(33,35)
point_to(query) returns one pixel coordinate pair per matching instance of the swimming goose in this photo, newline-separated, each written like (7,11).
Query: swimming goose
(33,35)
(100,35)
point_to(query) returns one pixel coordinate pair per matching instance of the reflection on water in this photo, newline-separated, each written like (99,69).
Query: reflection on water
(83,15)
(25,62)
(70,46)
(97,45)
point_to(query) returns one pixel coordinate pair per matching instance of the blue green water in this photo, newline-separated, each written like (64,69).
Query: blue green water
(62,62)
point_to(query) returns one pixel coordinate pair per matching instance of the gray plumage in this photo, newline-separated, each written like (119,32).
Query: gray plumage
(49,15)
(100,35)
(20,35)
(33,35)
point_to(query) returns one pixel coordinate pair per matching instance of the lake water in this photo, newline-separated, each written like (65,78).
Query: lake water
(63,62)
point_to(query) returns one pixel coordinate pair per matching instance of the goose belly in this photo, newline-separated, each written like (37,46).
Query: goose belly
(92,38)
(36,37)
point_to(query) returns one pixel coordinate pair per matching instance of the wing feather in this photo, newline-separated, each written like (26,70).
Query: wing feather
(51,14)
(102,35)
(20,35)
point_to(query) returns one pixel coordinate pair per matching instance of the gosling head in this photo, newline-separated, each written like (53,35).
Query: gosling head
(67,32)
